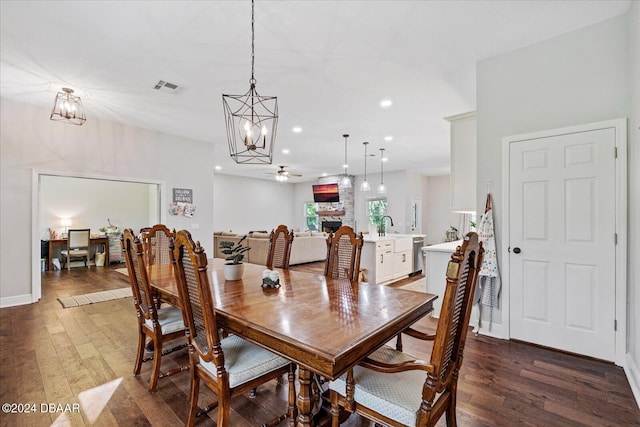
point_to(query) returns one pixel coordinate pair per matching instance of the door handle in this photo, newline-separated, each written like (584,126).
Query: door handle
(516,250)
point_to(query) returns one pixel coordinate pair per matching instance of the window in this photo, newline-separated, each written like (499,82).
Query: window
(311,216)
(376,209)
(416,212)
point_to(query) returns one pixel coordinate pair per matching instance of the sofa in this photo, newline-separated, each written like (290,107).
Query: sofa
(307,246)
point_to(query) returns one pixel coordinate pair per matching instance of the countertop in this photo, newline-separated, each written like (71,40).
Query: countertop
(443,247)
(390,236)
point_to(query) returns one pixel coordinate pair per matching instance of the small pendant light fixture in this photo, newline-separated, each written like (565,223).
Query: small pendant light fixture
(251,119)
(345,182)
(365,184)
(67,108)
(381,188)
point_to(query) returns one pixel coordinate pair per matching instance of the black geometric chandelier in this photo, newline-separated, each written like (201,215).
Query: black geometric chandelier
(251,119)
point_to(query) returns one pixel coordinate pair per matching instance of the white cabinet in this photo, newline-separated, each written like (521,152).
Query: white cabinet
(402,264)
(377,259)
(463,162)
(387,259)
(402,257)
(384,261)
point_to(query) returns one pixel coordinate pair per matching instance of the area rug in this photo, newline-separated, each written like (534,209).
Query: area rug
(95,297)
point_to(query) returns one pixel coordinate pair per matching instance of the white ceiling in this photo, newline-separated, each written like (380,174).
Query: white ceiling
(330,63)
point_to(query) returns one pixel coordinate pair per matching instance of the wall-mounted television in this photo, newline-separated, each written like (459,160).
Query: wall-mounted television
(326,193)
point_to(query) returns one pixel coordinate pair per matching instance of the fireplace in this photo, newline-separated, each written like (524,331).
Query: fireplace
(331,226)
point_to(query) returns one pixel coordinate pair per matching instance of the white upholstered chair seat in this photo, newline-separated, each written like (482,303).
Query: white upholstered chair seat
(169,318)
(397,396)
(67,256)
(74,252)
(244,361)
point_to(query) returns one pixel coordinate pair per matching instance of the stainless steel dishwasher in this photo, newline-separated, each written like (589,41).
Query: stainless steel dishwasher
(418,243)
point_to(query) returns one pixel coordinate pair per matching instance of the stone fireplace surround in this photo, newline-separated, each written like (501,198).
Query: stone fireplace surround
(328,212)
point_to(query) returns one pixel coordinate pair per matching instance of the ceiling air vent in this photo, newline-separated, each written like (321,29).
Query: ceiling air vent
(167,87)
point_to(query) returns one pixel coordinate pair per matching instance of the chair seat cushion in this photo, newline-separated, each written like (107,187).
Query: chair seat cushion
(75,252)
(397,396)
(245,361)
(170,320)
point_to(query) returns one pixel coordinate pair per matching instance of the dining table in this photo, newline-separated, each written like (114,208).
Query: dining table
(323,325)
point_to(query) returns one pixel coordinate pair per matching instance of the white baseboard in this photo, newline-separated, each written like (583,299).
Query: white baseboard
(497,331)
(633,376)
(16,300)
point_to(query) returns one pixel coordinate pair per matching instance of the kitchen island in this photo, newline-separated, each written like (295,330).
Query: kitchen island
(387,258)
(437,258)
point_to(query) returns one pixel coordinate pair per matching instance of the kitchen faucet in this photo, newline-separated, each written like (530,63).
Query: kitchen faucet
(382,229)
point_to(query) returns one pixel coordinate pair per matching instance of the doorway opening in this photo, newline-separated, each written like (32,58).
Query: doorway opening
(61,200)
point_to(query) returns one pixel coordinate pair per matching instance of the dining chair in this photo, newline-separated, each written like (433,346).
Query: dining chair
(77,247)
(280,241)
(155,241)
(158,324)
(231,365)
(387,386)
(344,248)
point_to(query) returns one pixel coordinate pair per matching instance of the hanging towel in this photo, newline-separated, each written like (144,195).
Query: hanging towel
(489,283)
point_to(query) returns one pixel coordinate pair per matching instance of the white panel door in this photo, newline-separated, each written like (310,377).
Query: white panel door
(562,247)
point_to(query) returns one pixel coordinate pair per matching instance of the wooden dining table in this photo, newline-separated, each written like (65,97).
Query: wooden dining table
(325,326)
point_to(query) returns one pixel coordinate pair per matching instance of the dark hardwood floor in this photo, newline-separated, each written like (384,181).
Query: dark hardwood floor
(84,356)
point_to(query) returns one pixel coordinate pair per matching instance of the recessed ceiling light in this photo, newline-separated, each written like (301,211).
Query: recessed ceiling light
(297,129)
(388,138)
(218,168)
(386,103)
(285,151)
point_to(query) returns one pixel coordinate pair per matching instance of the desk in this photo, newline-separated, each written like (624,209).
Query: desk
(93,241)
(325,326)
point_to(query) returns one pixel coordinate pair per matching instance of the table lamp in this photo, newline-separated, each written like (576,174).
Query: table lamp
(66,223)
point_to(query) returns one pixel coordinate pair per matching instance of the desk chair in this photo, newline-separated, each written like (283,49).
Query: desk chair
(77,247)
(393,388)
(280,241)
(228,366)
(158,324)
(343,254)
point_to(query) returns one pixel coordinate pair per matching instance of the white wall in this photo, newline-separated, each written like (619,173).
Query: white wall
(577,78)
(246,204)
(89,203)
(438,209)
(30,141)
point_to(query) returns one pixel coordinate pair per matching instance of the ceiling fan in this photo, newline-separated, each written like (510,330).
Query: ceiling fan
(283,175)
